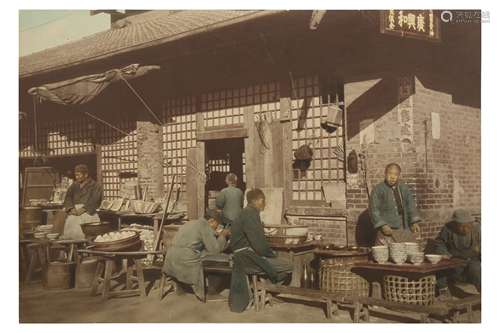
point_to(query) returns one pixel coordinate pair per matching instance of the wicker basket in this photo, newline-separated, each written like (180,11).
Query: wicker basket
(400,289)
(338,278)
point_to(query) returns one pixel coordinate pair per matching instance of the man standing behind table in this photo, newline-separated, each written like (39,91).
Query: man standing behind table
(194,242)
(230,200)
(251,252)
(392,209)
(460,238)
(82,200)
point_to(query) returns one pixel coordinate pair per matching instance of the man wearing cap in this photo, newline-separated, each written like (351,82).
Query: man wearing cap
(195,241)
(81,202)
(460,238)
(230,200)
(392,209)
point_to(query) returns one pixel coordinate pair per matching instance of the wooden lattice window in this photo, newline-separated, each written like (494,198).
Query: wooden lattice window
(311,102)
(119,154)
(225,107)
(58,138)
(26,140)
(67,137)
(179,134)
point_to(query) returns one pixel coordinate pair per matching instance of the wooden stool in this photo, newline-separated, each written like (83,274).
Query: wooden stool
(36,254)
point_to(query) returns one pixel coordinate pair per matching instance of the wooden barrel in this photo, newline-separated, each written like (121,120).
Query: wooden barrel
(31,217)
(59,275)
(335,273)
(85,271)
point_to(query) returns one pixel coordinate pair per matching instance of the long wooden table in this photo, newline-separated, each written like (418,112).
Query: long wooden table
(375,272)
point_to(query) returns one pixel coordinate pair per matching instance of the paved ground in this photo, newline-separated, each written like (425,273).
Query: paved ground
(38,305)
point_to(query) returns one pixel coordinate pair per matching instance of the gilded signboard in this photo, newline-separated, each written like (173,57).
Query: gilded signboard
(420,24)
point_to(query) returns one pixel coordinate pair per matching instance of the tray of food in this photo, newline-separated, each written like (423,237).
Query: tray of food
(117,241)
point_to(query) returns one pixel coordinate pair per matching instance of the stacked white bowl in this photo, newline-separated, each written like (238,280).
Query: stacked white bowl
(380,254)
(398,252)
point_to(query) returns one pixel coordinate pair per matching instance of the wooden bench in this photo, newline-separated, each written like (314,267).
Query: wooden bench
(450,310)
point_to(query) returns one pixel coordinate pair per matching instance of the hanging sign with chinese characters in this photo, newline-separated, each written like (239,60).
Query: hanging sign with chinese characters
(420,24)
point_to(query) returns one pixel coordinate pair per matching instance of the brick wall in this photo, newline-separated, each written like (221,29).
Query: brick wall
(448,153)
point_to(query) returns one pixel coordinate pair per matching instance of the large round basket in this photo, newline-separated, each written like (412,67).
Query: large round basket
(132,243)
(335,273)
(400,289)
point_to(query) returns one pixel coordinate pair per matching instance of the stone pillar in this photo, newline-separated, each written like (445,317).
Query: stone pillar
(150,159)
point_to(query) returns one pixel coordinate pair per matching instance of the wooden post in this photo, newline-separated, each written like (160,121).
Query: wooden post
(286,128)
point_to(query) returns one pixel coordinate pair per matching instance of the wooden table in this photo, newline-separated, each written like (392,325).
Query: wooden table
(131,262)
(375,272)
(299,255)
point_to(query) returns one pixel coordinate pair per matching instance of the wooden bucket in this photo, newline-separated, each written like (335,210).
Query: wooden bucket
(59,275)
(85,271)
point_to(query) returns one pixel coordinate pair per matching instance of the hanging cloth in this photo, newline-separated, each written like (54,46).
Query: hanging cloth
(83,89)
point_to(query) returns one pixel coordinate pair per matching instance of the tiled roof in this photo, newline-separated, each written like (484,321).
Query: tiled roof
(142,30)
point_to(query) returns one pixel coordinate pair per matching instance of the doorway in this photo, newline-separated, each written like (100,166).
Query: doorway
(222,157)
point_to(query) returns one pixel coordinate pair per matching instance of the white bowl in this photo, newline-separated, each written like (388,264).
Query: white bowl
(416,258)
(39,235)
(53,236)
(433,258)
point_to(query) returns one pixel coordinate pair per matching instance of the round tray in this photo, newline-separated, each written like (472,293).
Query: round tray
(119,245)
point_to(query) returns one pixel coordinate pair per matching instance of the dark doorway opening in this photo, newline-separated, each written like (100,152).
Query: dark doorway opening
(222,157)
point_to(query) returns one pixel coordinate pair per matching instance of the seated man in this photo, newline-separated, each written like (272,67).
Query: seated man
(82,200)
(460,238)
(251,252)
(193,242)
(230,200)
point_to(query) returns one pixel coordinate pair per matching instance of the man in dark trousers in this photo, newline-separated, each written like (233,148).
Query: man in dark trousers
(251,252)
(392,209)
(460,238)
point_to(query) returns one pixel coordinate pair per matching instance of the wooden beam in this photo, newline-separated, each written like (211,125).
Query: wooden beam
(228,133)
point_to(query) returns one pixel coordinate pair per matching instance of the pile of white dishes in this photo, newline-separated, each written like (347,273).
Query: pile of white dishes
(380,254)
(398,253)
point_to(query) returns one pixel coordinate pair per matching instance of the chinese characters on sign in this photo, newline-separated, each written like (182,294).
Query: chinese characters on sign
(421,24)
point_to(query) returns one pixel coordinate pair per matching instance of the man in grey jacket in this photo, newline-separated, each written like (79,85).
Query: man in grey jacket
(195,241)
(392,209)
(230,200)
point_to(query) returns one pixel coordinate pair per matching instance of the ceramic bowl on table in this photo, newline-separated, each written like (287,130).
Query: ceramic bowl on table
(53,236)
(416,258)
(433,258)
(40,235)
(398,253)
(45,228)
(380,254)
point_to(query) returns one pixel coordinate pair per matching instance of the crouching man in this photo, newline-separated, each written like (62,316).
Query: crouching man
(80,204)
(460,238)
(251,252)
(194,242)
